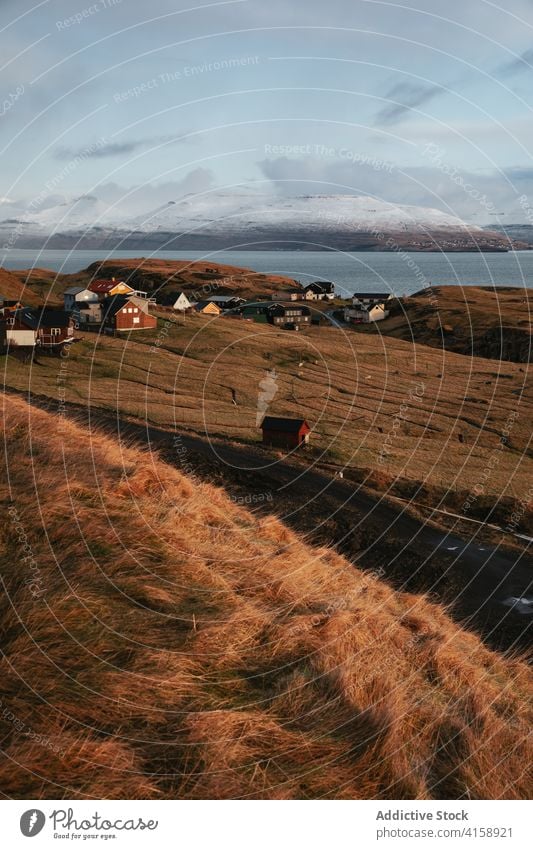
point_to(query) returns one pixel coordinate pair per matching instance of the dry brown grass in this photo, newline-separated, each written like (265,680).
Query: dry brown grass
(351,387)
(174,645)
(492,322)
(13,289)
(198,278)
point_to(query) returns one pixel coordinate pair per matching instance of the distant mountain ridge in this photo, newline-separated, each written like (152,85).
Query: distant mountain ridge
(246,219)
(516,232)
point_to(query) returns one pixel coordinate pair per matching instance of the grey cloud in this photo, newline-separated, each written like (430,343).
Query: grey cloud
(516,66)
(143,198)
(102,151)
(471,195)
(406,96)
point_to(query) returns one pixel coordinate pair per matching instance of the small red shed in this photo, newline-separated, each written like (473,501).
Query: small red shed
(285,433)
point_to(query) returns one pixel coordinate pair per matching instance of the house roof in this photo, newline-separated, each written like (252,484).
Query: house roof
(281,309)
(224,299)
(4,302)
(103,287)
(320,287)
(115,303)
(74,290)
(43,317)
(201,305)
(282,424)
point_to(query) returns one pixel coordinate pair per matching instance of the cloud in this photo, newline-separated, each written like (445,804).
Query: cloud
(516,66)
(406,96)
(108,149)
(142,199)
(477,197)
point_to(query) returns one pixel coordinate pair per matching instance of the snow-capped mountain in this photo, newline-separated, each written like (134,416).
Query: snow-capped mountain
(222,212)
(246,219)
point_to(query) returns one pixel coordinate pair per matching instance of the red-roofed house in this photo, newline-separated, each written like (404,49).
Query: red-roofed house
(108,288)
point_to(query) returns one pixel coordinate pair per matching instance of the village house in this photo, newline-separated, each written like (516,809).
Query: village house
(285,433)
(7,306)
(319,291)
(88,314)
(207,308)
(15,332)
(254,311)
(288,295)
(126,312)
(182,303)
(53,328)
(45,327)
(367,307)
(365,299)
(110,288)
(227,302)
(289,317)
(77,295)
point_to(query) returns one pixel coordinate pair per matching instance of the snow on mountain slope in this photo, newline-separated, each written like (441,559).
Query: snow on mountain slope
(218,212)
(228,212)
(226,219)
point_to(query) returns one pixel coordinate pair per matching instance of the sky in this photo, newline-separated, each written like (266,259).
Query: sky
(137,104)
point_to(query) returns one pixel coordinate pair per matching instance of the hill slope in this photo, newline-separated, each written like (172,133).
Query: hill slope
(482,321)
(162,642)
(350,387)
(13,289)
(164,278)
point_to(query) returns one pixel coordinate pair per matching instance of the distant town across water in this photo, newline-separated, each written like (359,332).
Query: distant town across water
(401,273)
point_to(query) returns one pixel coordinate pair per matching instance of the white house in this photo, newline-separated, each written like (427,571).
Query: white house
(18,332)
(88,313)
(366,299)
(367,307)
(182,303)
(320,291)
(365,314)
(77,295)
(288,295)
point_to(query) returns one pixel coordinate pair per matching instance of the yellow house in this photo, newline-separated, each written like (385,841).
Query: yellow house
(108,288)
(208,308)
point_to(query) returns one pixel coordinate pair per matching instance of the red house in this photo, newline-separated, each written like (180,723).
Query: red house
(285,433)
(127,313)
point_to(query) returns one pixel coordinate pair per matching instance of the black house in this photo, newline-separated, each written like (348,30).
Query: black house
(320,290)
(289,316)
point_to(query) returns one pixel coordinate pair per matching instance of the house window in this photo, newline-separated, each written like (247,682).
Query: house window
(136,320)
(135,309)
(55,331)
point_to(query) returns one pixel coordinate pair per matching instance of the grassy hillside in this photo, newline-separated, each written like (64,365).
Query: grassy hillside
(164,277)
(399,413)
(161,641)
(13,289)
(483,321)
